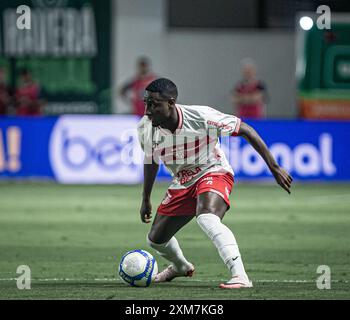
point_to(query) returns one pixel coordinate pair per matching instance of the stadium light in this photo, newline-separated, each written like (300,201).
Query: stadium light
(306,23)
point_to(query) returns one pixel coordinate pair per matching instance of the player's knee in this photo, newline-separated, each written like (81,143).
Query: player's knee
(152,240)
(149,241)
(218,212)
(208,207)
(203,207)
(211,202)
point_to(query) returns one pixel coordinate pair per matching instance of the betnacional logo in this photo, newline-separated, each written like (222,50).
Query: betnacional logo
(96,149)
(305,159)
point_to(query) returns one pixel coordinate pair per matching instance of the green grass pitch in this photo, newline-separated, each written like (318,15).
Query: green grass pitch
(71,237)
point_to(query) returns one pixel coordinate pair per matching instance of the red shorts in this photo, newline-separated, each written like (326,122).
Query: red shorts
(183,202)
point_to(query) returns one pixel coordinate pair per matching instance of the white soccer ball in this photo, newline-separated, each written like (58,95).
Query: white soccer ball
(138,268)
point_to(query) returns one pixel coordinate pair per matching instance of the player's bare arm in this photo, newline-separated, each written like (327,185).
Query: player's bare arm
(282,177)
(150,173)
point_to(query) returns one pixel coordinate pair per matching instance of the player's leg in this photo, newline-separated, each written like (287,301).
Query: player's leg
(165,227)
(161,238)
(211,208)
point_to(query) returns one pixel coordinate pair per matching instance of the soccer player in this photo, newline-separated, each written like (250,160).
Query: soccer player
(185,138)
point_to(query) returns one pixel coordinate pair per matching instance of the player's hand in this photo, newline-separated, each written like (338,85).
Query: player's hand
(146,211)
(282,177)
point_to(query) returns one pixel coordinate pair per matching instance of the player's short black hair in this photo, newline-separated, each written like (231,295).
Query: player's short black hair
(165,87)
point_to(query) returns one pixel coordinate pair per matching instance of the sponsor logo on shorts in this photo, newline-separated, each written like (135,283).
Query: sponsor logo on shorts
(207,178)
(187,175)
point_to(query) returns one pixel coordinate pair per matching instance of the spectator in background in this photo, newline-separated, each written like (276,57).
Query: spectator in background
(133,91)
(250,95)
(27,95)
(5,94)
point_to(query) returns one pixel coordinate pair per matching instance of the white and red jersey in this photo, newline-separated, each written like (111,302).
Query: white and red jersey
(193,149)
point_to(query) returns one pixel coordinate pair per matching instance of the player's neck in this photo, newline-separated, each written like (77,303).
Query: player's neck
(173,121)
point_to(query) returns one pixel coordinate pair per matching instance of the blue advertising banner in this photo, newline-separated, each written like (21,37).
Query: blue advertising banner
(96,149)
(309,150)
(105,149)
(24,147)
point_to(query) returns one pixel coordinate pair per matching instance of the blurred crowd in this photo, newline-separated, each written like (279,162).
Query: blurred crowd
(22,99)
(249,96)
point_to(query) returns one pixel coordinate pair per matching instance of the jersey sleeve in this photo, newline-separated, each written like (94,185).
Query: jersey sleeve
(225,124)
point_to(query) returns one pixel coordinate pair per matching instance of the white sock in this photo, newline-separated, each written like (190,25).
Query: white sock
(224,241)
(172,252)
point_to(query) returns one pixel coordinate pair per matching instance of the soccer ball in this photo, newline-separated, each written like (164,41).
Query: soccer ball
(138,268)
